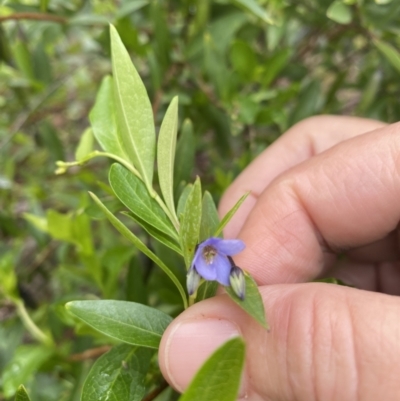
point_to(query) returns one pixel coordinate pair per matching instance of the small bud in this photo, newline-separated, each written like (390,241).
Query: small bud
(192,281)
(237,281)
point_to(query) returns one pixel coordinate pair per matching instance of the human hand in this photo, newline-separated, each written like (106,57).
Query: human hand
(330,185)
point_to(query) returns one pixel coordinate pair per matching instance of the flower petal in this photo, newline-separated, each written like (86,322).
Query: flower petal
(212,241)
(223,268)
(207,271)
(230,246)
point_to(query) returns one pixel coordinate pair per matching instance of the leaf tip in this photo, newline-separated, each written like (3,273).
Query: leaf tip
(68,306)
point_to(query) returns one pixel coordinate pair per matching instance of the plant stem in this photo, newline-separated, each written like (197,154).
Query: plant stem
(34,16)
(31,326)
(192,298)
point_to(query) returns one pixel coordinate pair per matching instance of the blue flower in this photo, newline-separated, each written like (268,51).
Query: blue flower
(212,261)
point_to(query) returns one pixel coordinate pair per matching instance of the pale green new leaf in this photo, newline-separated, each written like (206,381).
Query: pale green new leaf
(219,377)
(140,245)
(339,12)
(118,375)
(392,55)
(85,145)
(252,302)
(133,111)
(190,222)
(209,217)
(21,394)
(166,148)
(103,120)
(229,215)
(132,192)
(128,322)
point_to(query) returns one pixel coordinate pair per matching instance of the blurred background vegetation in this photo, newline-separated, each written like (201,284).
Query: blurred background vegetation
(244,70)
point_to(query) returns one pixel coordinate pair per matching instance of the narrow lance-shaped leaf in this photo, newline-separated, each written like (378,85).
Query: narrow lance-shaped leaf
(252,302)
(209,217)
(103,120)
(229,215)
(132,192)
(140,245)
(392,55)
(219,377)
(133,111)
(21,394)
(158,235)
(182,200)
(166,148)
(119,374)
(190,222)
(128,322)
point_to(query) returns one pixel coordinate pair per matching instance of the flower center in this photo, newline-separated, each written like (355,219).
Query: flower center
(209,253)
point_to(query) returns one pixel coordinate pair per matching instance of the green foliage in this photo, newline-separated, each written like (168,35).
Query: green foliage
(212,381)
(133,111)
(21,394)
(252,303)
(244,71)
(125,381)
(128,322)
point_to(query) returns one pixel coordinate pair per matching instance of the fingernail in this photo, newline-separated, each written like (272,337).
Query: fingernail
(190,344)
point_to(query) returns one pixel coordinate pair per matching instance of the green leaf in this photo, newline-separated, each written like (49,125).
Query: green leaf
(391,54)
(166,153)
(103,120)
(132,192)
(128,322)
(9,281)
(257,10)
(21,394)
(209,217)
(133,111)
(59,225)
(141,246)
(85,145)
(182,200)
(219,377)
(252,302)
(26,361)
(190,222)
(229,215)
(23,59)
(118,375)
(206,290)
(339,12)
(158,235)
(185,154)
(243,58)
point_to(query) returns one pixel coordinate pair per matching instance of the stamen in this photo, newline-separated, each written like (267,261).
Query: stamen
(209,253)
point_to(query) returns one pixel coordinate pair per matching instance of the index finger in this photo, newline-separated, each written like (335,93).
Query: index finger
(301,142)
(345,197)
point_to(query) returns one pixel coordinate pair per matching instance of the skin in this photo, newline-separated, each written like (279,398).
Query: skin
(329,186)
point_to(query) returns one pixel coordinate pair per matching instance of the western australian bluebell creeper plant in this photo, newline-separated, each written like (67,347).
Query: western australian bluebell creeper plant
(122,123)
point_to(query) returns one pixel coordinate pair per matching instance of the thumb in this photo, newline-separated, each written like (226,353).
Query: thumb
(326,343)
